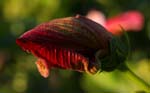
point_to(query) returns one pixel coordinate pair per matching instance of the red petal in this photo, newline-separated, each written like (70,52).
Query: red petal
(68,43)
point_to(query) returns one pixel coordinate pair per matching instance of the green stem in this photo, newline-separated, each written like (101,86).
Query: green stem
(137,79)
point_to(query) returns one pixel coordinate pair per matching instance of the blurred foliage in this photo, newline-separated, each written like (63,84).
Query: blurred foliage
(18,73)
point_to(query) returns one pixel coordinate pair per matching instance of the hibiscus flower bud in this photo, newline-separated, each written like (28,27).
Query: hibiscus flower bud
(75,43)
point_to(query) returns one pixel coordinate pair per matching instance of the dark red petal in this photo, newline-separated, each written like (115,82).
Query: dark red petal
(98,31)
(68,43)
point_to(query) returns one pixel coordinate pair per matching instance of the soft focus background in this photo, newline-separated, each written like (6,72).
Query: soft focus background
(18,73)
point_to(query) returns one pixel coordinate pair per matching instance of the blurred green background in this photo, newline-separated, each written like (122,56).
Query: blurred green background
(18,73)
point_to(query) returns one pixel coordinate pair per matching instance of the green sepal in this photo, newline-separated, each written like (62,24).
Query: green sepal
(118,52)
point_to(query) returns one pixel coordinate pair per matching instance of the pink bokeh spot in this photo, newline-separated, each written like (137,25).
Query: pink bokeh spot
(130,21)
(97,16)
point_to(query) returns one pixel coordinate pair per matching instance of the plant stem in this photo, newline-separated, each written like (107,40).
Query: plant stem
(137,79)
